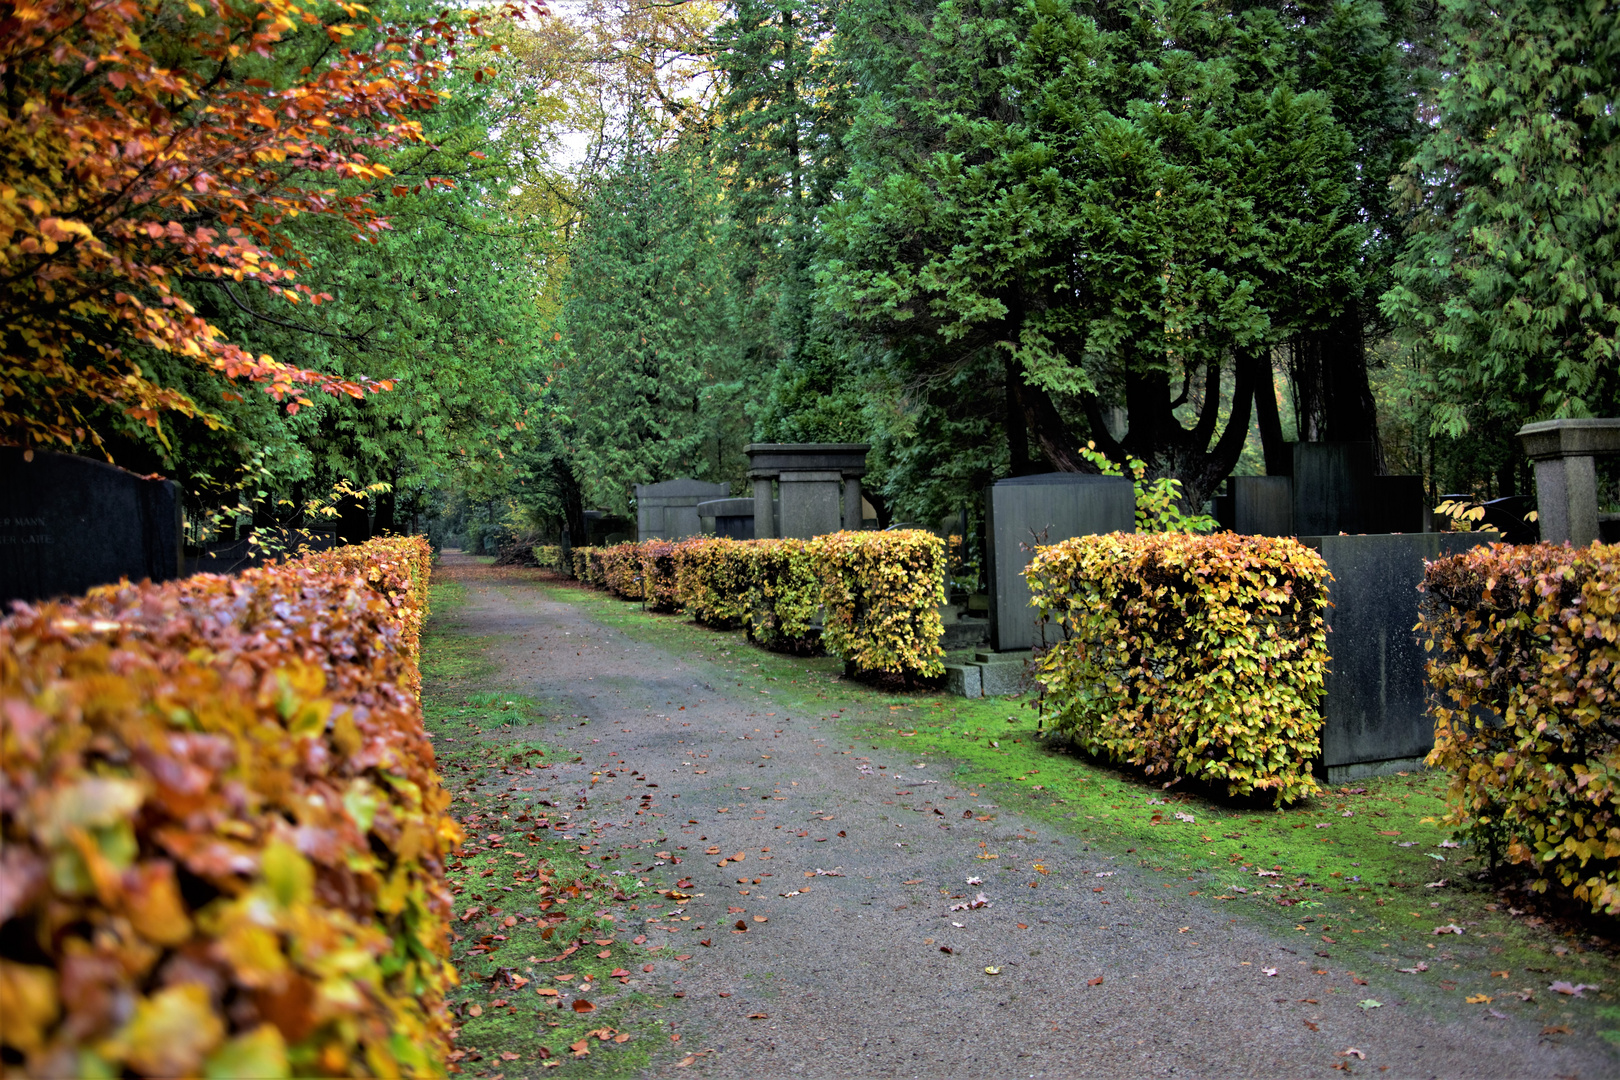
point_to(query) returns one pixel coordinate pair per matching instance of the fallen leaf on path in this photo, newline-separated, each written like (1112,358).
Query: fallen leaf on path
(1562,987)
(1312,1026)
(507,1055)
(758,1016)
(1558,1029)
(1095,982)
(913,881)
(684,956)
(581,1048)
(583,1006)
(1370,1003)
(1449,928)
(622,1037)
(546,991)
(1421,967)
(475,1010)
(1479,999)
(1353,1052)
(734,910)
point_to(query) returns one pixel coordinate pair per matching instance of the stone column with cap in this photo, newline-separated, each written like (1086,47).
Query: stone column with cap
(1566,475)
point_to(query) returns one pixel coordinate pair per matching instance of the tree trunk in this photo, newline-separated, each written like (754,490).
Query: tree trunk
(1333,401)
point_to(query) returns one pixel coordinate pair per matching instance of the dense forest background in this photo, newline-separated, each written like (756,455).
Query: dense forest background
(638,235)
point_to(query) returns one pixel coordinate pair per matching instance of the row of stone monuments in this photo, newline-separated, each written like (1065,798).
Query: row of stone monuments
(801,490)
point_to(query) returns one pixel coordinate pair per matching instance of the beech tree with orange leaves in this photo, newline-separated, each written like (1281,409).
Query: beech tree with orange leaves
(146,143)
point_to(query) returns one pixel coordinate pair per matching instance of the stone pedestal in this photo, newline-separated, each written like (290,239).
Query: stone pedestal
(668,510)
(1024,511)
(68,523)
(1566,475)
(818,485)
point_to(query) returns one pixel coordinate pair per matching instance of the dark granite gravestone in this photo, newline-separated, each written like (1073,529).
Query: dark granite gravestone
(1257,505)
(1375,709)
(733,518)
(668,510)
(1332,487)
(817,487)
(1030,510)
(1398,505)
(68,523)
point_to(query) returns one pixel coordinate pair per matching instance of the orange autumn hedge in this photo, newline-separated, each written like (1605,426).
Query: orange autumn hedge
(1524,645)
(223,839)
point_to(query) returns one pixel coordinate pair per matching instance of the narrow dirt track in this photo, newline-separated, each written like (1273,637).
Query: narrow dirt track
(851,975)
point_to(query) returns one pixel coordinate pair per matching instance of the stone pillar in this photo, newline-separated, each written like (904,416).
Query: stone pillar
(852,503)
(1566,478)
(764,519)
(1566,500)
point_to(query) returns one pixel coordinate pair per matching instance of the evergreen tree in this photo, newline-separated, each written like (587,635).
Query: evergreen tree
(1509,284)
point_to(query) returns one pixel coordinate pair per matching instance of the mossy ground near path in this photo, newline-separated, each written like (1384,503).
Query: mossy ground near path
(747,866)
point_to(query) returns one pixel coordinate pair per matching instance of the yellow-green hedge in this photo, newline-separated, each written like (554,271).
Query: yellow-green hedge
(550,557)
(879,593)
(1198,656)
(223,839)
(882,592)
(1525,646)
(782,606)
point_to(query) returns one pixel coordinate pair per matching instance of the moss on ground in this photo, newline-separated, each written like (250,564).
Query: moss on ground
(1356,873)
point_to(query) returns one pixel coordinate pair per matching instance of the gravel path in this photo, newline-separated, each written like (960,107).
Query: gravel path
(864,969)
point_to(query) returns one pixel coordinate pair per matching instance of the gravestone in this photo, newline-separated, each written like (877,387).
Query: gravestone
(818,487)
(1566,475)
(1257,505)
(668,510)
(733,518)
(69,523)
(1374,711)
(1043,509)
(1332,487)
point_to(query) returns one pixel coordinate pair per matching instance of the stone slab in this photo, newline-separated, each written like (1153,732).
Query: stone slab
(1042,509)
(963,680)
(810,508)
(1262,505)
(668,510)
(773,459)
(1570,438)
(1375,704)
(69,523)
(1362,770)
(1332,488)
(1006,677)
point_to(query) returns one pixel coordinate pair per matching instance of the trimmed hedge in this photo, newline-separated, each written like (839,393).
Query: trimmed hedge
(883,592)
(1200,656)
(782,608)
(880,592)
(1525,644)
(550,557)
(224,841)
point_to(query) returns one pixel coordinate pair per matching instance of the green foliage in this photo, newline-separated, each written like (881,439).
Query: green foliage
(654,358)
(1199,656)
(1509,280)
(311,917)
(784,594)
(1158,502)
(1524,643)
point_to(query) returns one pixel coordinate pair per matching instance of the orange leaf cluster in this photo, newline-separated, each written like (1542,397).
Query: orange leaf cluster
(224,840)
(136,150)
(1525,643)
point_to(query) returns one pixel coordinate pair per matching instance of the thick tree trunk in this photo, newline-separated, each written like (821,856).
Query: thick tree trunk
(1279,461)
(1016,424)
(1333,401)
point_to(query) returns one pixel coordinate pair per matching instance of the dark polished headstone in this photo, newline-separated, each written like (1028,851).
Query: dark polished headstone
(1399,505)
(69,523)
(1375,709)
(1028,510)
(1257,505)
(1332,488)
(731,518)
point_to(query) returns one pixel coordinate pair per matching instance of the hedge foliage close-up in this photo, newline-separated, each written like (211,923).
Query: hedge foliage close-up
(870,598)
(224,840)
(1524,644)
(1198,656)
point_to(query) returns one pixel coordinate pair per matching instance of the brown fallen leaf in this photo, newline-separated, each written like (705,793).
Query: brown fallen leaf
(546,991)
(1312,1026)
(761,918)
(510,920)
(1095,982)
(735,910)
(1558,1029)
(507,1055)
(685,1061)
(913,881)
(618,973)
(583,1006)
(758,1016)
(581,1048)
(622,1037)
(475,1010)
(684,956)
(740,925)
(604,954)
(639,939)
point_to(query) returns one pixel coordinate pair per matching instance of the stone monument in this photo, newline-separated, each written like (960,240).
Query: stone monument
(1374,709)
(820,487)
(1566,476)
(668,510)
(732,518)
(69,523)
(1042,509)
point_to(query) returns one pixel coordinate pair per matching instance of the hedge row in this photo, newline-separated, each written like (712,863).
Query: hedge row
(223,839)
(1199,656)
(1525,644)
(871,598)
(550,557)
